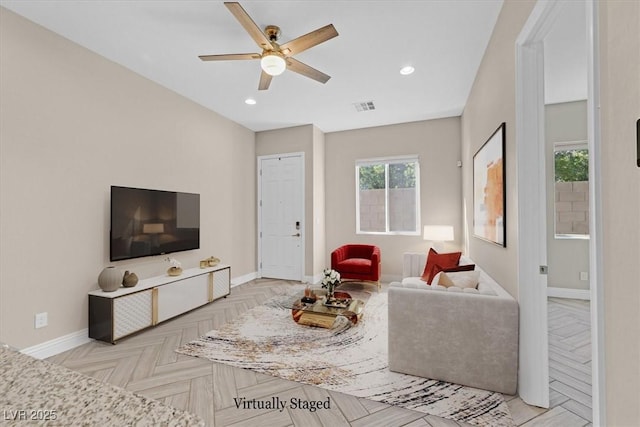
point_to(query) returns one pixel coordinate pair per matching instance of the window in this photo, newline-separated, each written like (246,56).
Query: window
(388,196)
(571,170)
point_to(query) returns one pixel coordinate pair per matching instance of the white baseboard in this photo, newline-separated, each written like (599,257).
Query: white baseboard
(388,278)
(237,281)
(583,294)
(313,279)
(58,345)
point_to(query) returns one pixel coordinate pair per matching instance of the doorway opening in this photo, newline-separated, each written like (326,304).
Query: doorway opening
(534,218)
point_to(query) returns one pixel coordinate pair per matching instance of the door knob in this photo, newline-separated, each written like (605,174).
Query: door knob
(295,235)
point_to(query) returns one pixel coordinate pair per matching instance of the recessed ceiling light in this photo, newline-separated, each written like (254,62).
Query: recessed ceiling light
(250,101)
(405,71)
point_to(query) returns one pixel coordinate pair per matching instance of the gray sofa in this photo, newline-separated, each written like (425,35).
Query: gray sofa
(463,336)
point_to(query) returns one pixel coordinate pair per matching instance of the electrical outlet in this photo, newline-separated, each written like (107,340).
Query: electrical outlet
(41,320)
(584,276)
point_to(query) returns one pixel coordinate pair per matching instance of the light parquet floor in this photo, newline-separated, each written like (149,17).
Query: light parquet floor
(569,369)
(147,364)
(570,356)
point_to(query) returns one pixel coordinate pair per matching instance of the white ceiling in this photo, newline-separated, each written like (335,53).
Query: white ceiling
(161,40)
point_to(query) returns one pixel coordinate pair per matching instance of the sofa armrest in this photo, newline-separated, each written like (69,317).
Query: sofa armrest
(413,264)
(375,258)
(376,263)
(338,255)
(458,337)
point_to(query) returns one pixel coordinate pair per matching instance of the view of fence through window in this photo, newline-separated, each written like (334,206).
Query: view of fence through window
(571,166)
(388,196)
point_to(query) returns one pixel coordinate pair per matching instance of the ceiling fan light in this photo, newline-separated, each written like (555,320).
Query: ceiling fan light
(405,71)
(273,64)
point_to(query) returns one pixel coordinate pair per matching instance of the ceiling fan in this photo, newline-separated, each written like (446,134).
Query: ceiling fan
(276,58)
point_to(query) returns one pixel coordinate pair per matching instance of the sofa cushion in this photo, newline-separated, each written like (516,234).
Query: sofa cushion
(412,284)
(460,279)
(448,260)
(418,282)
(355,265)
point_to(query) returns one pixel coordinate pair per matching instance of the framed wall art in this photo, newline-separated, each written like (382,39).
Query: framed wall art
(489,190)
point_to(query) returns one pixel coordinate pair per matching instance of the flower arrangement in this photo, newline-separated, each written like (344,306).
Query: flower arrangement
(330,280)
(174,262)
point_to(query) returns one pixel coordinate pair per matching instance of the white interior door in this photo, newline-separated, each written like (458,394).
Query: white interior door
(281,211)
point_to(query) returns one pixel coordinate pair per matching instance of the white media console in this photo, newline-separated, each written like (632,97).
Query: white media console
(114,315)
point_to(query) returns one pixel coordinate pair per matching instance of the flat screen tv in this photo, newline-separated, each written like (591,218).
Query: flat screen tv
(152,222)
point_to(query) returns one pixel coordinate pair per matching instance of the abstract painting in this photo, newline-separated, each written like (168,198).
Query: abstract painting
(489,195)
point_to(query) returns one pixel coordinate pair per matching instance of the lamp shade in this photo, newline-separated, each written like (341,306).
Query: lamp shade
(273,64)
(153,228)
(438,233)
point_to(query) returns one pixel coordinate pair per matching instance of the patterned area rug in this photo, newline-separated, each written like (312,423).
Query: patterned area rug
(36,392)
(348,358)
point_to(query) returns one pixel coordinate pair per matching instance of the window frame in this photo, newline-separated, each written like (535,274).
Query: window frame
(388,161)
(567,146)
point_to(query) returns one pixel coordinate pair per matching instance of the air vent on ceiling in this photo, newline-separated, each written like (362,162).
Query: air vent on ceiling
(364,106)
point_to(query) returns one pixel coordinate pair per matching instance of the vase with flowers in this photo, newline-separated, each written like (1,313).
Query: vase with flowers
(330,281)
(176,267)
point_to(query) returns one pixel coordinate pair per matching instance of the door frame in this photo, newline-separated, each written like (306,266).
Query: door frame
(302,208)
(533,385)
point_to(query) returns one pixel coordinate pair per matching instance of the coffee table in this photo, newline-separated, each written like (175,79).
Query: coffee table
(321,315)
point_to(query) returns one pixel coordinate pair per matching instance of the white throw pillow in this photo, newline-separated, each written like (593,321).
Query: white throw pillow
(436,278)
(460,279)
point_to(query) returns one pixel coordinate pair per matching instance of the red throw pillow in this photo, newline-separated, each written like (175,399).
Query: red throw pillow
(438,268)
(449,260)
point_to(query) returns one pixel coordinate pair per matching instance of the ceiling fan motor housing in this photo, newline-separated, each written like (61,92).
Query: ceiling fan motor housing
(273,32)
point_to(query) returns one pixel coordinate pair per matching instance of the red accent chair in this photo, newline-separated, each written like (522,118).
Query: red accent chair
(357,262)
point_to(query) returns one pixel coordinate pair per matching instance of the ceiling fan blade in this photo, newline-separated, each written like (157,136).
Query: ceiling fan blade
(309,40)
(265,81)
(245,20)
(307,71)
(230,57)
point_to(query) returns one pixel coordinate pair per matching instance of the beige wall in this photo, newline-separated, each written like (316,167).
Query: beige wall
(566,258)
(319,229)
(436,142)
(73,124)
(620,108)
(293,140)
(491,102)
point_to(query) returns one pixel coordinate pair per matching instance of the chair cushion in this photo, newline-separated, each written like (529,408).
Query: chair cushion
(355,265)
(359,251)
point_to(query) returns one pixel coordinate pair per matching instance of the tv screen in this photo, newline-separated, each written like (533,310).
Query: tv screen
(152,222)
